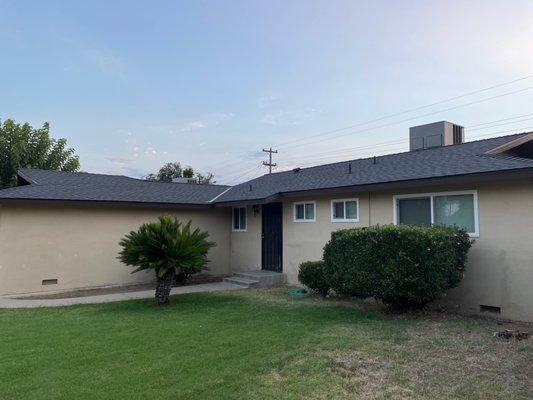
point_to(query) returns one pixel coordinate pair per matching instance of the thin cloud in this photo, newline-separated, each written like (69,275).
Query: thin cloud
(291,117)
(192,126)
(219,117)
(105,61)
(267,100)
(120,160)
(151,151)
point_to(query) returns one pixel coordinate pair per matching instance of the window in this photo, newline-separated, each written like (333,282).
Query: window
(239,219)
(304,212)
(453,208)
(346,210)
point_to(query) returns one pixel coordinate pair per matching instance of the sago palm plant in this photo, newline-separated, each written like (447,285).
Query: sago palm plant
(168,247)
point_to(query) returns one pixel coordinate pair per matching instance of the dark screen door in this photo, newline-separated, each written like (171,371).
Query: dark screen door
(272,237)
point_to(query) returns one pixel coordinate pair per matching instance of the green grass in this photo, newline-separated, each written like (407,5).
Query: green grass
(253,345)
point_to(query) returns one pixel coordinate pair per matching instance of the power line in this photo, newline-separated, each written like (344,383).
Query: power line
(499,120)
(398,141)
(250,175)
(384,151)
(516,130)
(235,177)
(230,162)
(417,117)
(336,152)
(502,124)
(410,110)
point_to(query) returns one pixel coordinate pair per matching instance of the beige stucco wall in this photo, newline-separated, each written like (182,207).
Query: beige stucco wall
(78,245)
(246,246)
(500,267)
(304,241)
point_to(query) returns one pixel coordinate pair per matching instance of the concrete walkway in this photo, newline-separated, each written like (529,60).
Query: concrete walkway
(106,298)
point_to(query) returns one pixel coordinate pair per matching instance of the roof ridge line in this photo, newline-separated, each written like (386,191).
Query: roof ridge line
(220,194)
(19,170)
(393,154)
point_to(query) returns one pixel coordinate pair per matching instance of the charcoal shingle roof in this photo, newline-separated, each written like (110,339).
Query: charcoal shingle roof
(81,186)
(457,160)
(461,159)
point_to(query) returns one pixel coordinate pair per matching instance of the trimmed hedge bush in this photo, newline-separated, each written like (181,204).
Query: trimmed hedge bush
(311,274)
(403,266)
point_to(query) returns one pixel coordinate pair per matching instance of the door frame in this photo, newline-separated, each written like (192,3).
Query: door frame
(279,219)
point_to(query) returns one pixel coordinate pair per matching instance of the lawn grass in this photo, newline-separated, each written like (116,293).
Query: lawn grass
(253,345)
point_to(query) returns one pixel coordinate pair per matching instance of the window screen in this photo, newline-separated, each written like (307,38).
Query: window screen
(351,210)
(310,211)
(239,219)
(415,211)
(338,210)
(300,211)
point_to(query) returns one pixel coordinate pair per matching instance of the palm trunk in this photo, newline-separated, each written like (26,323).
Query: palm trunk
(162,290)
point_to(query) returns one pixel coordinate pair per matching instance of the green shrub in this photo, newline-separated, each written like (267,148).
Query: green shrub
(403,266)
(311,274)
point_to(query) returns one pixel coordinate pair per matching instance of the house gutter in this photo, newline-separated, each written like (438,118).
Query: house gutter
(95,203)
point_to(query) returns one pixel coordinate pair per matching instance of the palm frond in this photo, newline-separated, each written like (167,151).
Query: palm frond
(166,244)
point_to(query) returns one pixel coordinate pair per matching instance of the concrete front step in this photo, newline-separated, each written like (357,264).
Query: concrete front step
(238,280)
(261,279)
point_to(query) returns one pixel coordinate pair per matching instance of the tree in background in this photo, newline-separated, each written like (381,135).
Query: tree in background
(173,170)
(22,146)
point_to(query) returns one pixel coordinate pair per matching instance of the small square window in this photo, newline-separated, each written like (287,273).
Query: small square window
(304,212)
(345,210)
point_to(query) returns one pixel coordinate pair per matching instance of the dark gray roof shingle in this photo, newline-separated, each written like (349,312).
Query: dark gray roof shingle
(81,186)
(462,159)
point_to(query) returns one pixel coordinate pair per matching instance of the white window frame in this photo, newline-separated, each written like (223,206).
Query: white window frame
(395,199)
(303,203)
(333,219)
(233,219)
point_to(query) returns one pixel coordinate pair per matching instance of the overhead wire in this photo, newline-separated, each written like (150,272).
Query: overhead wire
(307,142)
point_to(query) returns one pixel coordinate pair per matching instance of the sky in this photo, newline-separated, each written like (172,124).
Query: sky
(135,84)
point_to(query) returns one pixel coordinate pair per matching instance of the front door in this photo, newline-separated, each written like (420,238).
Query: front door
(272,237)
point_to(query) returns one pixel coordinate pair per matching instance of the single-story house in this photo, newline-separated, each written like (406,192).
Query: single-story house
(60,231)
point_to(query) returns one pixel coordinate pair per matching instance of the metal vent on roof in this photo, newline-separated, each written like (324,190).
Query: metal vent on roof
(296,170)
(458,134)
(184,180)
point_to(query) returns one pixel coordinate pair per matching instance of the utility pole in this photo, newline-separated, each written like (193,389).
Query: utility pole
(269,163)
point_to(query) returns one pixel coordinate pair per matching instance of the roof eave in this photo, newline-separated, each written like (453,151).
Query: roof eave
(139,204)
(511,145)
(480,177)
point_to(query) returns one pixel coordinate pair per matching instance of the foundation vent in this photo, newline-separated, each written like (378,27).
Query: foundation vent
(490,309)
(49,282)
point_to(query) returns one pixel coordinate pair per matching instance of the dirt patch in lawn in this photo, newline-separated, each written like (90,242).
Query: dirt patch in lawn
(195,280)
(440,360)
